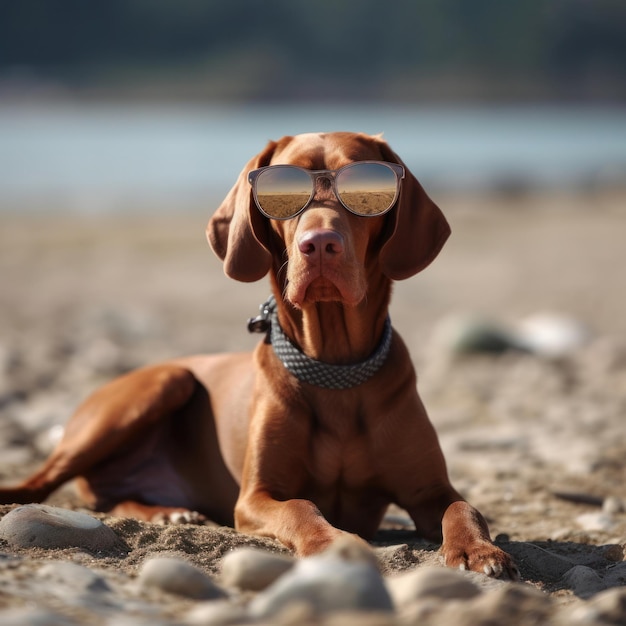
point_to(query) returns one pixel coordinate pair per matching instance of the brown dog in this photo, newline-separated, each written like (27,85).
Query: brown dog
(319,429)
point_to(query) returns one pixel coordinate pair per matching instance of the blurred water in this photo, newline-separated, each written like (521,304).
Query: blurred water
(96,157)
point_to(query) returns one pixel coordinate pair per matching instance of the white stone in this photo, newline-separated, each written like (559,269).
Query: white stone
(42,526)
(253,570)
(178,577)
(216,613)
(325,583)
(430,582)
(596,521)
(552,334)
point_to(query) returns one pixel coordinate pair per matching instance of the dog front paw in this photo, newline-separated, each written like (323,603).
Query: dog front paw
(483,557)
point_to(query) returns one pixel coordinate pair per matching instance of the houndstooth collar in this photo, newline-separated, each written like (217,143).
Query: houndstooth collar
(310,370)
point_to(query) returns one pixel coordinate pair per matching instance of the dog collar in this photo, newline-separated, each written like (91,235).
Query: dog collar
(312,371)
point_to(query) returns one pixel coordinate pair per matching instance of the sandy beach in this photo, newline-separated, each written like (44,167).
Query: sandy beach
(536,441)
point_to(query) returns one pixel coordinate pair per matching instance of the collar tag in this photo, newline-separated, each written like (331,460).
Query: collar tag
(262,322)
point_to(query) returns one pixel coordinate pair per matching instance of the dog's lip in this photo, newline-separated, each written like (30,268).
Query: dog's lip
(321,288)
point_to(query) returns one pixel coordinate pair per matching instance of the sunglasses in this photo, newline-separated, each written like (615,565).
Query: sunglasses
(366,188)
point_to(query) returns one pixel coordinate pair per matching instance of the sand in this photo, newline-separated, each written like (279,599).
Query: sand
(537,443)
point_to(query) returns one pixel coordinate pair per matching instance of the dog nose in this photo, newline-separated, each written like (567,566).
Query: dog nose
(321,241)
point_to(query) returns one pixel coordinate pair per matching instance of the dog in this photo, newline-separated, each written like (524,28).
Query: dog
(310,437)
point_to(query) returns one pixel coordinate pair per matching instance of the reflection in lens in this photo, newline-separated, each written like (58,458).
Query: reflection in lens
(367,188)
(283,191)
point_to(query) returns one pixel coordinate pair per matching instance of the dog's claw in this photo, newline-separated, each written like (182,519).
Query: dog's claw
(493,569)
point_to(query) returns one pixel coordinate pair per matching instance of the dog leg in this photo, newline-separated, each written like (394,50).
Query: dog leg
(442,512)
(107,422)
(296,523)
(467,544)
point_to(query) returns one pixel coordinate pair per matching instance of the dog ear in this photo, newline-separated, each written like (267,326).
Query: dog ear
(418,228)
(237,232)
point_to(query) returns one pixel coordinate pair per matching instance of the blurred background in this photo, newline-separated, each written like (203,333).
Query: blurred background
(123,124)
(127,102)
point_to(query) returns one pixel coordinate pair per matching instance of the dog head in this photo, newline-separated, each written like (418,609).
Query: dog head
(326,253)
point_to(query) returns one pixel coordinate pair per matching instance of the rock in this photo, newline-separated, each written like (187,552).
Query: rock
(615,552)
(535,562)
(551,334)
(344,578)
(607,607)
(77,586)
(509,604)
(216,613)
(74,576)
(613,506)
(615,575)
(33,617)
(547,334)
(583,581)
(595,521)
(178,577)
(465,334)
(430,582)
(398,521)
(42,526)
(253,570)
(350,549)
(395,558)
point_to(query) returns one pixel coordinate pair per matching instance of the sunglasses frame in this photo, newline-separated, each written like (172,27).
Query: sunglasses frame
(331,175)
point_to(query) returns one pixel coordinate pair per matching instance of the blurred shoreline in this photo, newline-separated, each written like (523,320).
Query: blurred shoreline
(109,157)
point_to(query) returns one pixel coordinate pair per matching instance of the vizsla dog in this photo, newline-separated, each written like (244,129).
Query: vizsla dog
(316,432)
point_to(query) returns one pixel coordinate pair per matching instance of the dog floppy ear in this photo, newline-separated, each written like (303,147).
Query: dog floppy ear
(418,228)
(237,232)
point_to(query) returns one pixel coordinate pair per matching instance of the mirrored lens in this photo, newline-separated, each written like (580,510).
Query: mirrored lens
(283,191)
(367,188)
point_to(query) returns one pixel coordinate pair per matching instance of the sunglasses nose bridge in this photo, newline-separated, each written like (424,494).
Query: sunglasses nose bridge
(324,184)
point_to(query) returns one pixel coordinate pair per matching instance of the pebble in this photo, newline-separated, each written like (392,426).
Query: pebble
(536,562)
(253,570)
(217,613)
(466,334)
(341,586)
(551,334)
(430,582)
(614,552)
(340,579)
(607,607)
(509,604)
(615,576)
(179,577)
(74,576)
(33,617)
(43,526)
(613,506)
(595,521)
(77,586)
(583,581)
